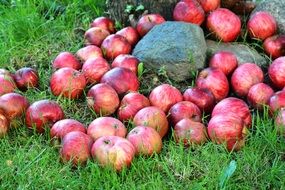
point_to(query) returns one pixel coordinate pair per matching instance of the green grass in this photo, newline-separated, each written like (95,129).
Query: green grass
(32,33)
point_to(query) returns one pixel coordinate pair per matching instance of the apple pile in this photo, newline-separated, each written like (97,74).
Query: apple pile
(105,69)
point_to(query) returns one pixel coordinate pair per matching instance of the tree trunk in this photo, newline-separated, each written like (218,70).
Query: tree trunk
(117,9)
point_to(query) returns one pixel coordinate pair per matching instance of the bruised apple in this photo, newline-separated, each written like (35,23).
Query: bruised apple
(103,99)
(244,77)
(67,82)
(146,140)
(203,98)
(115,45)
(64,126)
(43,113)
(126,61)
(147,22)
(236,106)
(106,126)
(183,110)
(152,117)
(215,81)
(228,129)
(76,148)
(94,68)
(189,11)
(190,132)
(121,79)
(66,59)
(164,96)
(113,151)
(131,104)
(13,105)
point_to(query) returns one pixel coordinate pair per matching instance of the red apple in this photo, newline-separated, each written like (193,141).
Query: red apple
(112,151)
(67,82)
(215,81)
(164,96)
(244,77)
(189,11)
(147,22)
(236,106)
(26,78)
(261,25)
(152,117)
(224,24)
(226,61)
(89,52)
(209,5)
(121,79)
(183,110)
(106,126)
(64,126)
(277,101)
(7,84)
(43,113)
(76,148)
(103,99)
(274,46)
(94,68)
(4,125)
(13,105)
(131,104)
(95,36)
(228,129)
(203,98)
(66,59)
(280,122)
(115,45)
(190,132)
(131,34)
(146,140)
(126,61)
(104,23)
(259,95)
(276,72)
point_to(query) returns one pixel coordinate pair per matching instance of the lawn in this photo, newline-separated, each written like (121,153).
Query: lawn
(32,33)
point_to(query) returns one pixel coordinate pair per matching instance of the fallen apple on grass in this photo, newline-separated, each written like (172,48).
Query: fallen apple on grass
(66,59)
(131,104)
(43,113)
(106,126)
(26,78)
(94,68)
(114,152)
(126,61)
(152,117)
(104,23)
(95,36)
(209,5)
(277,102)
(131,34)
(89,52)
(4,125)
(164,96)
(146,140)
(103,99)
(147,22)
(274,46)
(276,72)
(226,61)
(7,84)
(190,132)
(76,148)
(67,82)
(259,95)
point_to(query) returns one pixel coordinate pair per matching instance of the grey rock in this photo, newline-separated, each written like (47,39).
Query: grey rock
(276,8)
(178,47)
(243,52)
